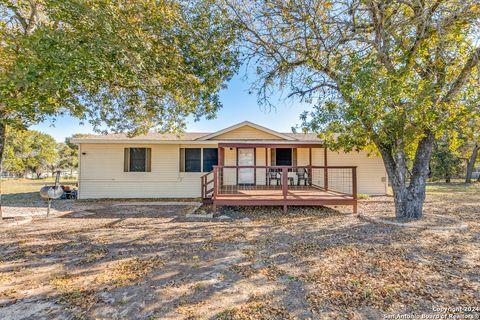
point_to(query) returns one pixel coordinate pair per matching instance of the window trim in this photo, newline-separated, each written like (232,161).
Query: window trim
(126,159)
(185,160)
(273,156)
(181,160)
(203,153)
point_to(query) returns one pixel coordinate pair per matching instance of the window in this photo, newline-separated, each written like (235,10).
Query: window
(283,157)
(198,159)
(137,160)
(191,160)
(210,159)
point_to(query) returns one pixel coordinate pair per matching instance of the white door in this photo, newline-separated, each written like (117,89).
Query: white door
(246,157)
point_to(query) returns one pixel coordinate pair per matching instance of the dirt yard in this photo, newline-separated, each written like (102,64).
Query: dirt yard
(99,260)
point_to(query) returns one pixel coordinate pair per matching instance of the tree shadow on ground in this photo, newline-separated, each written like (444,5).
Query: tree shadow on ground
(208,267)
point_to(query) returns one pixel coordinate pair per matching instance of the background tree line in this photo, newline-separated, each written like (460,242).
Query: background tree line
(36,153)
(455,154)
(400,78)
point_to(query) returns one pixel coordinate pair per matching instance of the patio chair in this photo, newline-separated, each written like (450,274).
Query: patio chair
(275,176)
(302,176)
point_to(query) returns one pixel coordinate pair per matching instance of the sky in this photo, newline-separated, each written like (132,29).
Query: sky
(238,106)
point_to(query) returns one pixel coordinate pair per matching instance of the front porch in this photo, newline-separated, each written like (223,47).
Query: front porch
(277,181)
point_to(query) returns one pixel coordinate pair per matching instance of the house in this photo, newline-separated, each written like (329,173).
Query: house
(245,164)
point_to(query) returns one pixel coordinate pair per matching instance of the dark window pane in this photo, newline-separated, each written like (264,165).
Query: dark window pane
(284,157)
(210,159)
(193,160)
(137,159)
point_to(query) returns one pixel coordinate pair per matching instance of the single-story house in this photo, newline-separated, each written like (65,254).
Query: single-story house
(245,164)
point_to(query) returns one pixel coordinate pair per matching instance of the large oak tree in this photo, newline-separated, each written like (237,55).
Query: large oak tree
(122,65)
(389,74)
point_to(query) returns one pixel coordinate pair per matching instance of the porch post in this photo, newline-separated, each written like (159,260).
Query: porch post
(221,154)
(285,187)
(221,151)
(266,164)
(215,182)
(215,189)
(325,169)
(310,171)
(284,182)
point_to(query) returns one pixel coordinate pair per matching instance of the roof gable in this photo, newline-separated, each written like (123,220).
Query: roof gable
(246,130)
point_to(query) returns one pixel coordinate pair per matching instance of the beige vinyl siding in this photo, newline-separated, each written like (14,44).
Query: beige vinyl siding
(371,174)
(303,157)
(102,174)
(101,171)
(230,159)
(247,133)
(318,156)
(260,154)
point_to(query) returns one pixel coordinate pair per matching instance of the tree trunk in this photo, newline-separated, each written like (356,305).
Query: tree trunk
(409,198)
(471,164)
(408,201)
(2,147)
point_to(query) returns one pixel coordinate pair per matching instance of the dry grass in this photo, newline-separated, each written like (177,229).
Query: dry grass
(26,191)
(127,272)
(153,263)
(15,186)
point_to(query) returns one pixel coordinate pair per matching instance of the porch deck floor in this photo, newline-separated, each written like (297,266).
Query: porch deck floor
(249,193)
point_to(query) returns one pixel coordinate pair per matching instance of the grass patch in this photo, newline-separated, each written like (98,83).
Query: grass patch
(27,191)
(12,186)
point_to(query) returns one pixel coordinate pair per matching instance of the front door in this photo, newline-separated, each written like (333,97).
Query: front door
(246,157)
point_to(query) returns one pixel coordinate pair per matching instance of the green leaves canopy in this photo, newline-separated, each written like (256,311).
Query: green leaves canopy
(131,66)
(388,74)
(29,150)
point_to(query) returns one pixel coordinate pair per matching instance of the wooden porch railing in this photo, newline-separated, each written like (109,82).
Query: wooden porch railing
(340,179)
(206,180)
(281,185)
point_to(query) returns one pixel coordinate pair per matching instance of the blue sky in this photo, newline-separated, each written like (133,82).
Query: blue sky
(238,106)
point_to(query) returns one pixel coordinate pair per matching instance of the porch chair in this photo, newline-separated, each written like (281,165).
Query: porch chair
(273,175)
(302,175)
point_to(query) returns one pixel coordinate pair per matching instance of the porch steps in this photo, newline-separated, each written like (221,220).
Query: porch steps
(207,200)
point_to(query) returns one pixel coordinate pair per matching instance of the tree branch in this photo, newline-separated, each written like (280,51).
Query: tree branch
(472,61)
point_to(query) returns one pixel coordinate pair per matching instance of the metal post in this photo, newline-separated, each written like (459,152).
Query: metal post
(354,188)
(48,207)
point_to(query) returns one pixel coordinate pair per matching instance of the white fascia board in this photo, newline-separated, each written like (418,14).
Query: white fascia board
(246,123)
(213,142)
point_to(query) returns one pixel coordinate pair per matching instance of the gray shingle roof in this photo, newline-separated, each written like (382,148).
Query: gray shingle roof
(150,136)
(185,136)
